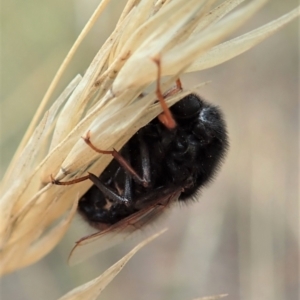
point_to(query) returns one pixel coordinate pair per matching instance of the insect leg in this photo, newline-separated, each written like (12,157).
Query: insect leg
(121,160)
(107,192)
(166,117)
(57,182)
(128,188)
(174,90)
(127,193)
(145,159)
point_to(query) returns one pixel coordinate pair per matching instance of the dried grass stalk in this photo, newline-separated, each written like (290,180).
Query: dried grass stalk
(185,35)
(92,289)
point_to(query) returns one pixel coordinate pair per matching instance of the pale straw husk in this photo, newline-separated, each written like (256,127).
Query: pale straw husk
(185,35)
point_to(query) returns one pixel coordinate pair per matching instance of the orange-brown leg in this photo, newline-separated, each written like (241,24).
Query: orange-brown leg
(122,161)
(57,182)
(166,116)
(108,192)
(174,90)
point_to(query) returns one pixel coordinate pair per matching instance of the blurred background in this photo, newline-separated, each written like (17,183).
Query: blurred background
(242,237)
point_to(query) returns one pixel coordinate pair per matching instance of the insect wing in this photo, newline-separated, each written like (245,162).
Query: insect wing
(121,231)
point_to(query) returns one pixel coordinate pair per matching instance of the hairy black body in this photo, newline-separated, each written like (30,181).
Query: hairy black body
(183,159)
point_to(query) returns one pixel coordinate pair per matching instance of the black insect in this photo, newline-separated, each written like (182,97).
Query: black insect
(162,162)
(159,165)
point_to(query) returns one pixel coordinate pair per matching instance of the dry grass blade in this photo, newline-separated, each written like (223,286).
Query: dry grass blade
(91,290)
(241,44)
(181,56)
(39,249)
(36,147)
(185,36)
(58,77)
